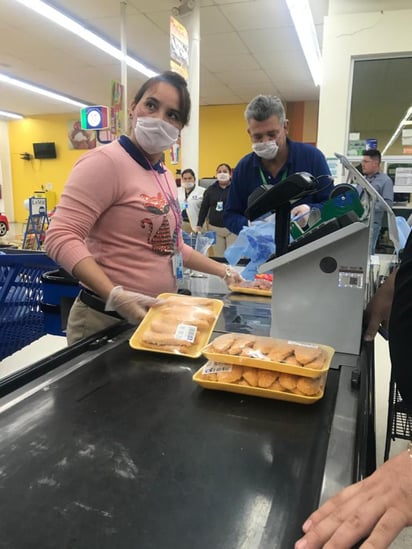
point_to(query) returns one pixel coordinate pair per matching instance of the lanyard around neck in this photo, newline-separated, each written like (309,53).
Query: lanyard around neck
(167,196)
(264,180)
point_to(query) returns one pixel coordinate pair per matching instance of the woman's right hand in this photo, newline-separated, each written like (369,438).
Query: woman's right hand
(130,305)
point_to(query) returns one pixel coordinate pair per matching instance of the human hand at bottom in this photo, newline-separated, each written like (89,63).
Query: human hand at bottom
(130,305)
(379,507)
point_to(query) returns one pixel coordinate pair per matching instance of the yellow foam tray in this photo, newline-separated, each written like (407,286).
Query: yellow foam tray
(267,364)
(255,391)
(195,349)
(250,291)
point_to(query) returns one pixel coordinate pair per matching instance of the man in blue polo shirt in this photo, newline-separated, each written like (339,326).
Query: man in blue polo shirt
(274,158)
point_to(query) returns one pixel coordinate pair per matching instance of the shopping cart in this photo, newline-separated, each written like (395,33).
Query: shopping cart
(21,318)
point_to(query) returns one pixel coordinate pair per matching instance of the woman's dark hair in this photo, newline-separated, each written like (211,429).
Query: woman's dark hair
(224,164)
(179,83)
(188,170)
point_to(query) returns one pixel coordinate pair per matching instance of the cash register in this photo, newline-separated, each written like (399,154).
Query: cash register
(320,279)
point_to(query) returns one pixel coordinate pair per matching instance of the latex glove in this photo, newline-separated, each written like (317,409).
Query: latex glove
(232,277)
(130,305)
(301,213)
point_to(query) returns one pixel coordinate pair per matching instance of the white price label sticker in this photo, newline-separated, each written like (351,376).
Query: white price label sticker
(350,278)
(216,367)
(186,332)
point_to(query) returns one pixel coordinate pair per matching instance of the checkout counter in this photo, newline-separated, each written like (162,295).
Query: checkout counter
(105,446)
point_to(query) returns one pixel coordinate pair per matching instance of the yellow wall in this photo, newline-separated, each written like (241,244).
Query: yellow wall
(223,138)
(30,176)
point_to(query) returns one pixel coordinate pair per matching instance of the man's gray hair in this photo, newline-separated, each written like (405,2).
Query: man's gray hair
(263,107)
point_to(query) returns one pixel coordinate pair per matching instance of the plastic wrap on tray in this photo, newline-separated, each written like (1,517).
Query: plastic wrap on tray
(260,382)
(292,357)
(258,286)
(179,325)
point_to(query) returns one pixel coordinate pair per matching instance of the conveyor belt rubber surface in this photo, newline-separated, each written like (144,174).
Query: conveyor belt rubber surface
(127,452)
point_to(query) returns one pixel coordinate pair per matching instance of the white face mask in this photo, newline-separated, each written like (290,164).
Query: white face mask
(223,176)
(188,184)
(267,150)
(155,135)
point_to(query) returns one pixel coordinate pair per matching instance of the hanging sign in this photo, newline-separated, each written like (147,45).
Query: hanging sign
(179,48)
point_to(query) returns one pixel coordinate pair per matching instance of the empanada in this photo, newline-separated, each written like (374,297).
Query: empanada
(280,351)
(231,376)
(308,386)
(288,381)
(266,378)
(318,363)
(306,354)
(222,343)
(251,376)
(240,343)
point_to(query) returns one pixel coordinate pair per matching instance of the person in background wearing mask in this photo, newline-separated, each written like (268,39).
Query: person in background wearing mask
(117,227)
(190,197)
(274,158)
(382,183)
(211,209)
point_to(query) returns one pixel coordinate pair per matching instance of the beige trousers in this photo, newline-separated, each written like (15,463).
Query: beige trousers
(84,322)
(224,238)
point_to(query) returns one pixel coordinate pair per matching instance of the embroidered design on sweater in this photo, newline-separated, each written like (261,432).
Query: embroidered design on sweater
(161,240)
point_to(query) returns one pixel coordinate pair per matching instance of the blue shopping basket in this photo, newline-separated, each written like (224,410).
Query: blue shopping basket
(21,318)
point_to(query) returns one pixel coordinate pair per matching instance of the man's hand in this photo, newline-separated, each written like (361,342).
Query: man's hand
(376,508)
(301,214)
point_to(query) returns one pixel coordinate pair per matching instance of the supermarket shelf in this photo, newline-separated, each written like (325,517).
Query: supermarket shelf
(402,188)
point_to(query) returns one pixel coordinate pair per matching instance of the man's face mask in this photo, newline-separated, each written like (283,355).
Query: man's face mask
(155,135)
(267,150)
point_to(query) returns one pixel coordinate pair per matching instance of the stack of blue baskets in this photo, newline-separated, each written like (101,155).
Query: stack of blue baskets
(21,318)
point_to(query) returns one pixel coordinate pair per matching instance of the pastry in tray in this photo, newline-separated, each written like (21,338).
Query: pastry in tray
(300,358)
(260,382)
(179,325)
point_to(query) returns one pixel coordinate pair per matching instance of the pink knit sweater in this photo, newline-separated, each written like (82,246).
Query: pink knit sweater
(118,212)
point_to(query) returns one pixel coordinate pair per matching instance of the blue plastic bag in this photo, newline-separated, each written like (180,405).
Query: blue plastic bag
(403,231)
(257,243)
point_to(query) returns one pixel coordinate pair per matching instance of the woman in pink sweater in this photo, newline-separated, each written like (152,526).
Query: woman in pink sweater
(117,227)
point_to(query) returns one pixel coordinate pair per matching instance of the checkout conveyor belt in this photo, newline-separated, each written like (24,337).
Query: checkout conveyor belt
(109,447)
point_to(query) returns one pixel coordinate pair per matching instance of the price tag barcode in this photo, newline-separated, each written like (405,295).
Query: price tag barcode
(186,332)
(216,367)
